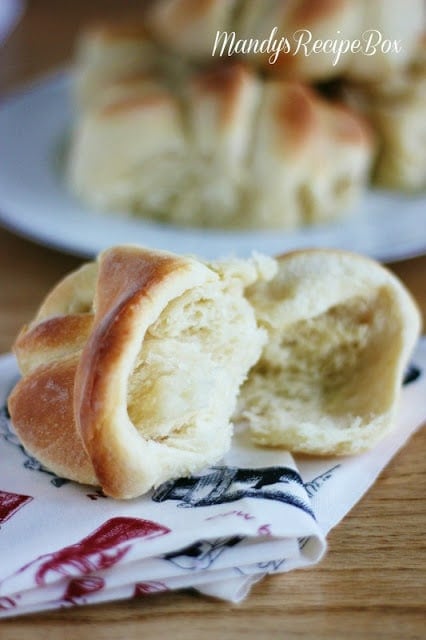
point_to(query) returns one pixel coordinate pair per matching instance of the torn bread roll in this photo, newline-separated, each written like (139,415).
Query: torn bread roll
(132,366)
(340,331)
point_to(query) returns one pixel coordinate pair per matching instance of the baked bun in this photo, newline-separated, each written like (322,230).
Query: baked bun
(132,366)
(128,150)
(340,331)
(110,51)
(396,109)
(311,158)
(190,28)
(227,149)
(111,55)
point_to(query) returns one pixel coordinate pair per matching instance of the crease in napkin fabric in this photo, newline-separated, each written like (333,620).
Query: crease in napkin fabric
(259,511)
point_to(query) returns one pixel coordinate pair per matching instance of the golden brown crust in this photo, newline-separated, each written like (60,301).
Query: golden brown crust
(128,281)
(73,294)
(224,83)
(51,339)
(62,323)
(296,112)
(299,110)
(42,410)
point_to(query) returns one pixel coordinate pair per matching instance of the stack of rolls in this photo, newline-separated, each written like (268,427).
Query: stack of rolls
(247,139)
(230,151)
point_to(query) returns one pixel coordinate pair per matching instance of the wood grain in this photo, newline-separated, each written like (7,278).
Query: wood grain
(372,582)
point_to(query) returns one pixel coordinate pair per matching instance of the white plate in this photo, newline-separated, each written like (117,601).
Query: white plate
(35,202)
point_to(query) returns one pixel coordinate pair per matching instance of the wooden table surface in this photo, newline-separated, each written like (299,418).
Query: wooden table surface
(372,582)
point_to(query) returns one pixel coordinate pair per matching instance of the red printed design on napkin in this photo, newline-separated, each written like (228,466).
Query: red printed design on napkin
(99,550)
(10,503)
(77,588)
(144,588)
(7,603)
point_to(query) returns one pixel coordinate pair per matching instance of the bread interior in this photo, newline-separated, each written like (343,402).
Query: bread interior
(322,378)
(191,363)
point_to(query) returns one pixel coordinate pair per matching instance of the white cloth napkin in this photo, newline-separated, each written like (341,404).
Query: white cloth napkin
(10,13)
(258,512)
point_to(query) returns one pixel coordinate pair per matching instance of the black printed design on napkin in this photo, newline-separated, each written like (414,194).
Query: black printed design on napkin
(411,374)
(228,484)
(202,554)
(7,433)
(313,486)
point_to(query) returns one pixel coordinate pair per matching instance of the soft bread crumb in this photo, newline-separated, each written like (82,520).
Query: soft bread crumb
(192,362)
(340,329)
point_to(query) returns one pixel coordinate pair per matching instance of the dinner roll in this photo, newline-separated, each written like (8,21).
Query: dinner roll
(310,158)
(340,331)
(188,27)
(106,52)
(128,151)
(132,366)
(396,109)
